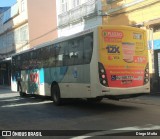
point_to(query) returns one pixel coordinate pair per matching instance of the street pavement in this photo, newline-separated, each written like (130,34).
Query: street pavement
(151,99)
(40,114)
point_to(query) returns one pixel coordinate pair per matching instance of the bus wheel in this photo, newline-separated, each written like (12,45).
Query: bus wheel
(94,100)
(55,94)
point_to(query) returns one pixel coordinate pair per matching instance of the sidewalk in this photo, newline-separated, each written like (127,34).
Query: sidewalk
(149,99)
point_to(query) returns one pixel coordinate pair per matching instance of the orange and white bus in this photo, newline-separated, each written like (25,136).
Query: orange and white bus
(103,62)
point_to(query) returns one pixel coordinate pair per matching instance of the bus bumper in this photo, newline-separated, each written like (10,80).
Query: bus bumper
(122,93)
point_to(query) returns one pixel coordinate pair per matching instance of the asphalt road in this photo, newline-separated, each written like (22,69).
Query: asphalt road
(90,120)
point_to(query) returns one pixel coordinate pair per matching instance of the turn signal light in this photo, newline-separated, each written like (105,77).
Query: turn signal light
(102,74)
(146,75)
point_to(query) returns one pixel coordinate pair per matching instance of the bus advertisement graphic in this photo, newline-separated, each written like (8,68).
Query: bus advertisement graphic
(112,36)
(34,81)
(124,60)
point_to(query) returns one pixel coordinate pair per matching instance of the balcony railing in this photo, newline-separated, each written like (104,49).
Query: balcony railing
(83,11)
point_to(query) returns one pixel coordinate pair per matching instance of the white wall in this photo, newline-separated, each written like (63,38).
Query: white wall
(83,24)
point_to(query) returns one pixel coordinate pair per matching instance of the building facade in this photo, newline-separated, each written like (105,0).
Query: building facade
(77,15)
(24,25)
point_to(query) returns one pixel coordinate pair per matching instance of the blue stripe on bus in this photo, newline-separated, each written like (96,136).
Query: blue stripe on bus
(55,74)
(41,75)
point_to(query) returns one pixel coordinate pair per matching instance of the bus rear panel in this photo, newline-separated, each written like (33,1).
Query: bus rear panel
(123,61)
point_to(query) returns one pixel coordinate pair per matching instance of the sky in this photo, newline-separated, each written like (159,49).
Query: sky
(6,3)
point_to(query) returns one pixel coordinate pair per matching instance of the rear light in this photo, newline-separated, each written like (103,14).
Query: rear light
(146,75)
(102,71)
(102,74)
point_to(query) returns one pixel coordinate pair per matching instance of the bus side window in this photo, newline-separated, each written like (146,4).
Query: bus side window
(66,59)
(66,56)
(13,64)
(35,59)
(73,48)
(45,54)
(23,63)
(80,50)
(40,58)
(88,48)
(18,62)
(30,60)
(26,61)
(59,55)
(52,59)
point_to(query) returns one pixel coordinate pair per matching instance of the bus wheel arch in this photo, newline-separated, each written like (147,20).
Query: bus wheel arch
(55,93)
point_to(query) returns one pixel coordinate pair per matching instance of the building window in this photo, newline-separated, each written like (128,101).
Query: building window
(21,35)
(22,6)
(10,39)
(24,33)
(64,5)
(76,3)
(16,36)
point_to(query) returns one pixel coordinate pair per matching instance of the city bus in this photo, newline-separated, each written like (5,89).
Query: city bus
(102,62)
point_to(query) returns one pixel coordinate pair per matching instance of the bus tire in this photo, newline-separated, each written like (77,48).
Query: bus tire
(94,100)
(55,94)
